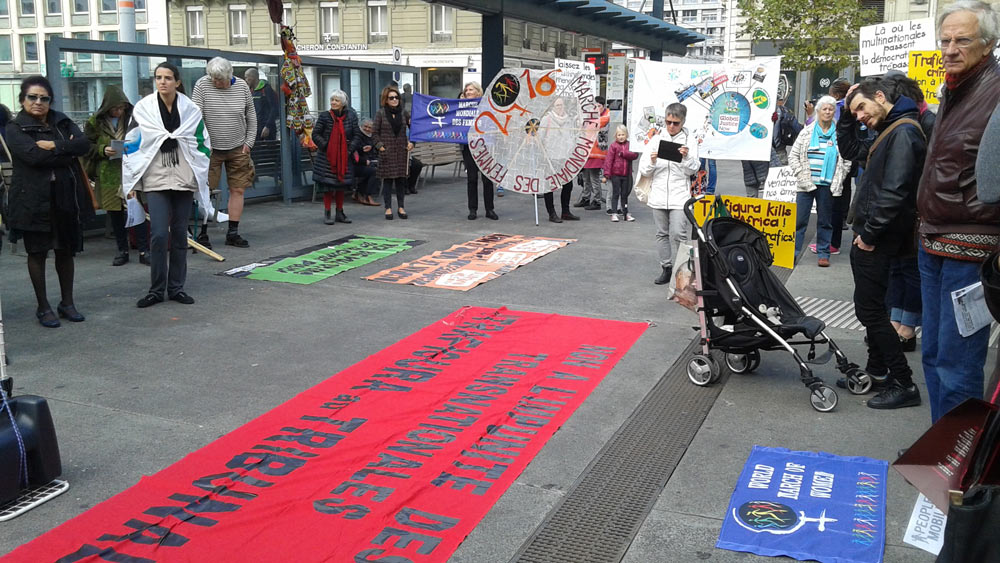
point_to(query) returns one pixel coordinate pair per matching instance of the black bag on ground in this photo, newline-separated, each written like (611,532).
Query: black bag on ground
(971,531)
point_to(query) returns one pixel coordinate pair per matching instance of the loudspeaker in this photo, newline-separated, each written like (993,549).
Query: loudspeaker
(34,421)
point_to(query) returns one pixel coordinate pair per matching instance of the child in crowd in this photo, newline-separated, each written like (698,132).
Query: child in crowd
(618,168)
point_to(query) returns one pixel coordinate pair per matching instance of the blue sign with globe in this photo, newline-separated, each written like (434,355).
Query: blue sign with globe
(730,113)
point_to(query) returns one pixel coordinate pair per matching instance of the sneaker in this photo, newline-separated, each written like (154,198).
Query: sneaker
(834,250)
(609,211)
(822,263)
(896,396)
(614,218)
(629,217)
(234,239)
(499,191)
(812,248)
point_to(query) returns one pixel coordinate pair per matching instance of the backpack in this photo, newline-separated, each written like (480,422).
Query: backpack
(788,128)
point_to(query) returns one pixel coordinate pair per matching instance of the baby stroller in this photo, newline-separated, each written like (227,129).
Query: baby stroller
(744,309)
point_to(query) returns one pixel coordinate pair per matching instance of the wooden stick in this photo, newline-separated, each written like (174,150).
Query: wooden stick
(205,250)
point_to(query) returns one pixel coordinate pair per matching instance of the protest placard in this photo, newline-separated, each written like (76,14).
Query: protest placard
(886,46)
(927,68)
(441,120)
(780,185)
(776,219)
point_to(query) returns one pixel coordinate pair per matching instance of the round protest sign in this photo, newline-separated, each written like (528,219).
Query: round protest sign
(534,129)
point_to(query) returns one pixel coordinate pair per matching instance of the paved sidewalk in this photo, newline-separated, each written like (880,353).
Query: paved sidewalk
(134,390)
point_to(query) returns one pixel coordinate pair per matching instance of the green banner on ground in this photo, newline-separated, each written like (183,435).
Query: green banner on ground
(318,263)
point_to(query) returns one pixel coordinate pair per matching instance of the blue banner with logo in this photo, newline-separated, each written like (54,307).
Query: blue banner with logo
(809,506)
(441,120)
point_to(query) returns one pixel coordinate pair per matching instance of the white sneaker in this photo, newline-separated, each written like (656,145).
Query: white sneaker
(614,218)
(629,217)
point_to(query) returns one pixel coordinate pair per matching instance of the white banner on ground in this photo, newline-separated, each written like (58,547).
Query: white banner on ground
(886,46)
(926,527)
(729,105)
(780,185)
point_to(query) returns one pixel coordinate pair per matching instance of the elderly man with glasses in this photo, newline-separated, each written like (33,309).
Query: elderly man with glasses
(226,103)
(957,230)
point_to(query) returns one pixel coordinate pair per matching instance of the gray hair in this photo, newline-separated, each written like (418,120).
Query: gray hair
(826,100)
(677,110)
(219,68)
(367,121)
(251,71)
(339,95)
(989,26)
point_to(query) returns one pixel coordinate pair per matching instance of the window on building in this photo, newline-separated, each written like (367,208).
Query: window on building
(140,5)
(286,18)
(239,30)
(329,22)
(53,7)
(526,35)
(141,36)
(442,22)
(4,10)
(108,6)
(689,16)
(82,57)
(378,21)
(195,25)
(81,6)
(27,7)
(110,36)
(29,48)
(6,53)
(710,15)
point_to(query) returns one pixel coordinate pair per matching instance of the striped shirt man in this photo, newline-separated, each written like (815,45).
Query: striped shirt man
(229,115)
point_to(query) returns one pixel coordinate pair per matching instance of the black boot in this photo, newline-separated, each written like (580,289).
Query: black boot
(554,218)
(121,258)
(664,275)
(341,218)
(327,220)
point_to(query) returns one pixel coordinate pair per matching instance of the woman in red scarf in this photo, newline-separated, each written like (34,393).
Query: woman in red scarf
(336,135)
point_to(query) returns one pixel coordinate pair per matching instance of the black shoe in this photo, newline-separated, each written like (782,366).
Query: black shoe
(340,217)
(202,239)
(472,215)
(908,344)
(610,211)
(402,214)
(554,218)
(182,297)
(120,259)
(582,203)
(70,313)
(594,206)
(48,319)
(144,258)
(411,191)
(895,396)
(149,300)
(490,214)
(327,218)
(388,215)
(567,216)
(234,239)
(664,275)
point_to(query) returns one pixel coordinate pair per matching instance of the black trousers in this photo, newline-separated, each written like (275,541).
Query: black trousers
(390,184)
(168,219)
(367,182)
(565,194)
(841,205)
(871,281)
(621,187)
(121,233)
(472,175)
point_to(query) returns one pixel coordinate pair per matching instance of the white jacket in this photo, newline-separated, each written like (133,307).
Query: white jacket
(798,160)
(670,186)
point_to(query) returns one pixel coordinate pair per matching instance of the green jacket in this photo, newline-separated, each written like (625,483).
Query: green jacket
(106,173)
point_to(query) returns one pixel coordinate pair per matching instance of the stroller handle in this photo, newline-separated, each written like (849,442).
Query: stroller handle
(689,213)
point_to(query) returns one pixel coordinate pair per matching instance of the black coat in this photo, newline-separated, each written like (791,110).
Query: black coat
(31,196)
(886,200)
(322,173)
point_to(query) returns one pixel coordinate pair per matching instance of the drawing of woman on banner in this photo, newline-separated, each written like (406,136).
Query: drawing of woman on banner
(555,120)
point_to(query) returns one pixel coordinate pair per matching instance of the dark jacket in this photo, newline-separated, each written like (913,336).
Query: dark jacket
(393,160)
(31,198)
(265,104)
(885,202)
(362,158)
(947,198)
(322,172)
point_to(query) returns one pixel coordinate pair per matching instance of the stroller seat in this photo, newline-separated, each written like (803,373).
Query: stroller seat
(810,327)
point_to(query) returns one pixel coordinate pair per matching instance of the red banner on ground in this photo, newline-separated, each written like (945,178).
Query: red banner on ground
(395,459)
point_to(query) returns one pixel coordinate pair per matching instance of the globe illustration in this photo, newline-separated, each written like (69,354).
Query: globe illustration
(730,113)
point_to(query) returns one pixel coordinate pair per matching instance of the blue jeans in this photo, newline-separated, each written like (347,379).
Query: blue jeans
(824,216)
(708,164)
(953,364)
(903,299)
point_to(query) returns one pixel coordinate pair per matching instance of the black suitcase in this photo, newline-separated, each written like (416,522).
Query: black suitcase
(34,422)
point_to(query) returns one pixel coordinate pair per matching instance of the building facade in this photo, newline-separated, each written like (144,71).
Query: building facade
(704,16)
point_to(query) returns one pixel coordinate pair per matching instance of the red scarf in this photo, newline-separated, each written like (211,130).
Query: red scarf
(336,148)
(952,81)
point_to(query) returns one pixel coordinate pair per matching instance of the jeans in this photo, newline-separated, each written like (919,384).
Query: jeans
(564,196)
(953,364)
(671,228)
(472,175)
(841,205)
(824,212)
(168,218)
(620,189)
(708,164)
(903,300)
(871,280)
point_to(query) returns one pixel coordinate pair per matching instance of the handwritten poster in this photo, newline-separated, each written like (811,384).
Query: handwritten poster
(886,46)
(776,219)
(927,68)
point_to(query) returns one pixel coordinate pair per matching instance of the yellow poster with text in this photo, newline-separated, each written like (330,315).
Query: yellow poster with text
(776,219)
(927,68)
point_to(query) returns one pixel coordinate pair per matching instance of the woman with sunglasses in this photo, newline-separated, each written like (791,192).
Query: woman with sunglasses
(391,123)
(49,200)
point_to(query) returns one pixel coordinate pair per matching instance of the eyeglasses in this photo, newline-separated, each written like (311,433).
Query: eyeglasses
(959,42)
(669,122)
(393,97)
(38,98)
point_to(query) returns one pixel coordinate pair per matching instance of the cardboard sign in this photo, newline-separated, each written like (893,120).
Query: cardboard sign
(776,219)
(781,185)
(886,46)
(926,527)
(927,68)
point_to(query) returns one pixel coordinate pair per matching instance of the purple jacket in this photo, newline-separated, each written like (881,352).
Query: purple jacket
(618,159)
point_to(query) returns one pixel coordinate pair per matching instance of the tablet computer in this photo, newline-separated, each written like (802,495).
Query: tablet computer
(670,151)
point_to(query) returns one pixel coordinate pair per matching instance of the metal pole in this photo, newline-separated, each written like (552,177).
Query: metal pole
(536,210)
(492,45)
(657,55)
(126,34)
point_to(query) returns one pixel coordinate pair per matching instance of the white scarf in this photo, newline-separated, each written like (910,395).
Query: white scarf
(142,144)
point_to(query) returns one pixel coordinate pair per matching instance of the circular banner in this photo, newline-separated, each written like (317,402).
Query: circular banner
(534,129)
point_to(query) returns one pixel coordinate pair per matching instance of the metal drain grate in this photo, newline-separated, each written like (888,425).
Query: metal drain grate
(30,498)
(602,512)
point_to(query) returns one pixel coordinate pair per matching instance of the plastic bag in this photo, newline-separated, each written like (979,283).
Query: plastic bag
(682,283)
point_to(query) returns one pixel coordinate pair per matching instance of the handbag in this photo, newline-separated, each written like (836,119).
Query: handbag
(682,283)
(642,188)
(970,534)
(87,184)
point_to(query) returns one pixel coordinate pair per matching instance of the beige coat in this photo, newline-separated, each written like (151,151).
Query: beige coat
(798,159)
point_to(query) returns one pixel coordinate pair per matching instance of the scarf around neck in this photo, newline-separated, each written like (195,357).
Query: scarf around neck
(952,81)
(336,148)
(171,121)
(827,143)
(395,116)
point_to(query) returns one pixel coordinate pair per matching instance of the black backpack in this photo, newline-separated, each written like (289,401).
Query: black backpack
(788,128)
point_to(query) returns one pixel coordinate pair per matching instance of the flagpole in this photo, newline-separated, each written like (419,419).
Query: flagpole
(536,210)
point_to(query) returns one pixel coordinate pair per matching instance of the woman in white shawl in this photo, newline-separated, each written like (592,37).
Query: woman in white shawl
(166,158)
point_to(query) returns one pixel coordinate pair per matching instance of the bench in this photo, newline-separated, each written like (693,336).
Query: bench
(433,155)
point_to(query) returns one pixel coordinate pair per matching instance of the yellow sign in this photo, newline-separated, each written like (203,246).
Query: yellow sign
(776,219)
(927,69)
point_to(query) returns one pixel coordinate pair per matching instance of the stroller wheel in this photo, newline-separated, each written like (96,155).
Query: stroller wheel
(743,363)
(823,398)
(703,370)
(858,381)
